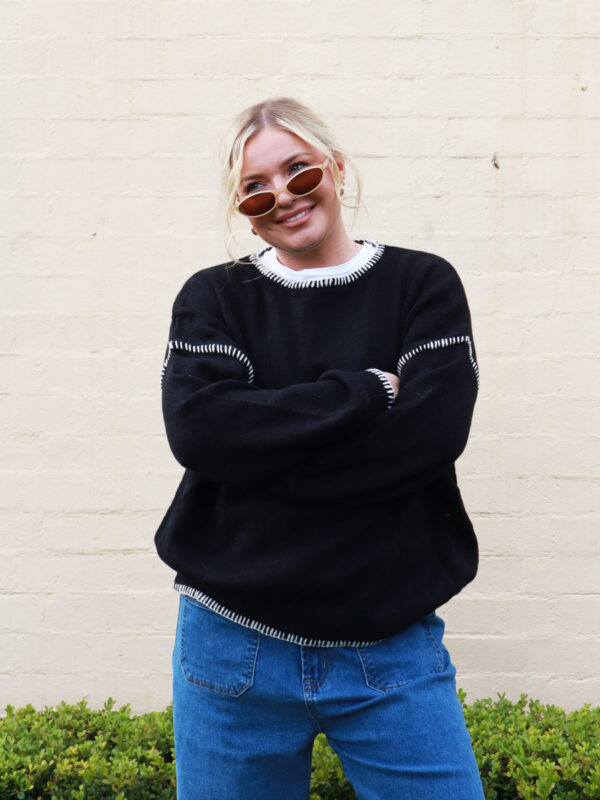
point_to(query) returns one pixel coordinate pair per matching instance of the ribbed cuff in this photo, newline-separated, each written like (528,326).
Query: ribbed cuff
(389,389)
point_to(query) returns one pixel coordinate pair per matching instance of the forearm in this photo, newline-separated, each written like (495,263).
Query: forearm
(222,425)
(424,432)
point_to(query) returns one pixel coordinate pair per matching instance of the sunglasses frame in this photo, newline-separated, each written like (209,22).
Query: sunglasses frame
(284,188)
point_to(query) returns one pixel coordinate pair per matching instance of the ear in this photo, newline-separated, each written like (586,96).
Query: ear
(341,164)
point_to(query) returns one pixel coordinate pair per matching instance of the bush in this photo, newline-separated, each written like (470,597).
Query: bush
(76,753)
(524,750)
(534,752)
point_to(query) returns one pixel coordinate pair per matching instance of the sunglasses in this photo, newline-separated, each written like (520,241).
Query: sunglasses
(303,182)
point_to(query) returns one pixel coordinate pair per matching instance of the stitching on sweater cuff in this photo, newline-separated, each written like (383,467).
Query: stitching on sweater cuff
(434,345)
(389,389)
(223,349)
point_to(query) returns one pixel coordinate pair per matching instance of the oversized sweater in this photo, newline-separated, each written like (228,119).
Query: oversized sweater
(314,506)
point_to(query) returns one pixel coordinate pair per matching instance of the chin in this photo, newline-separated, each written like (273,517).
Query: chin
(304,246)
(301,241)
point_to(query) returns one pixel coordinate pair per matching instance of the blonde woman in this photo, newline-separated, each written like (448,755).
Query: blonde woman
(318,393)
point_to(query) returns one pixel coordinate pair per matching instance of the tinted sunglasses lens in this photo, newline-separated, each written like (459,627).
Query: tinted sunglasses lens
(263,202)
(257,204)
(307,181)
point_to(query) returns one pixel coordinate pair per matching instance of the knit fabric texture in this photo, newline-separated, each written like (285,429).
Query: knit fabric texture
(314,506)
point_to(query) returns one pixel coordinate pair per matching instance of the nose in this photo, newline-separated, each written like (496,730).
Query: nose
(284,198)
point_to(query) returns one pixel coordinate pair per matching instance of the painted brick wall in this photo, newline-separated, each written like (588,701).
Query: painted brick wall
(476,129)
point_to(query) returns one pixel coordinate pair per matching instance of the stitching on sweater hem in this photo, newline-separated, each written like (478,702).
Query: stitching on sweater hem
(232,616)
(336,280)
(436,344)
(222,349)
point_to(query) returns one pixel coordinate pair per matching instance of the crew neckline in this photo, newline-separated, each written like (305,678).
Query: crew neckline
(267,263)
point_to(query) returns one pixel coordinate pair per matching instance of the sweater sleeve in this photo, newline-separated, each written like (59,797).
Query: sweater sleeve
(220,423)
(427,426)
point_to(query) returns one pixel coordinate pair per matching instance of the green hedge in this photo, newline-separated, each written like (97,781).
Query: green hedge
(524,750)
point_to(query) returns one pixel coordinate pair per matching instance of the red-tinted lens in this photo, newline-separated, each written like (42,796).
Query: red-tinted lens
(307,181)
(262,202)
(257,204)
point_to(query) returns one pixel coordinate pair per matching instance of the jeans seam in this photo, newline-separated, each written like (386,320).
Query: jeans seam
(438,650)
(311,715)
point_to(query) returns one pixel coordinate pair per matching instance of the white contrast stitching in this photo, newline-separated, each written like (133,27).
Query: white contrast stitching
(224,349)
(389,389)
(434,345)
(336,280)
(213,605)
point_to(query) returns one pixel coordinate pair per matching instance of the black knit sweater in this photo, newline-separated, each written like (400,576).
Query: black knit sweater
(312,507)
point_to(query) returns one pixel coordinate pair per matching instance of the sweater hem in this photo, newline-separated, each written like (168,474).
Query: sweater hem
(246,622)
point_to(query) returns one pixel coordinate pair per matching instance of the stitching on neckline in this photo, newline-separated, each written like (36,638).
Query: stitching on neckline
(336,280)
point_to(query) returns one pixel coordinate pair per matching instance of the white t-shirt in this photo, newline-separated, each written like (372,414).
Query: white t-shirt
(270,261)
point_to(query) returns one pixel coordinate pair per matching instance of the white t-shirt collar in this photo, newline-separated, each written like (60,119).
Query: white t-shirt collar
(269,264)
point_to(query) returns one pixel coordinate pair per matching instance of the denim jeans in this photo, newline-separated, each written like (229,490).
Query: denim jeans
(247,708)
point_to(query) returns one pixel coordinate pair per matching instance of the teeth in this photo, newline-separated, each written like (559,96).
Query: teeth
(297,216)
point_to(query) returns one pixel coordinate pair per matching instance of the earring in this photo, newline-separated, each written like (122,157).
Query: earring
(342,186)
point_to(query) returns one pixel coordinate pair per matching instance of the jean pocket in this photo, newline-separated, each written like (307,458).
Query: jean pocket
(214,652)
(414,653)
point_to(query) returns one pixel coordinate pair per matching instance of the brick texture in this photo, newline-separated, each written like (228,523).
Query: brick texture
(475,127)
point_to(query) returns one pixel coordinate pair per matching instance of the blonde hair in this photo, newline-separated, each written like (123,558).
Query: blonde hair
(289,115)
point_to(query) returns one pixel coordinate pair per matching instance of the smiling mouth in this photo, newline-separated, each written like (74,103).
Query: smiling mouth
(298,215)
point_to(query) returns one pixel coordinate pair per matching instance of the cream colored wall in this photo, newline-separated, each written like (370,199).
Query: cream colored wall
(476,127)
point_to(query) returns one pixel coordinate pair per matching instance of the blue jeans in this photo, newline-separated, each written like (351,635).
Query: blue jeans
(247,708)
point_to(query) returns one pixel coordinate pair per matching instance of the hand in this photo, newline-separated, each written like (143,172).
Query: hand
(395,381)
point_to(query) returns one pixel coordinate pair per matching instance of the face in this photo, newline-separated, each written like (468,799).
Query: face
(311,224)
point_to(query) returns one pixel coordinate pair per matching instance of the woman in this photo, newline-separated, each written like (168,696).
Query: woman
(317,393)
